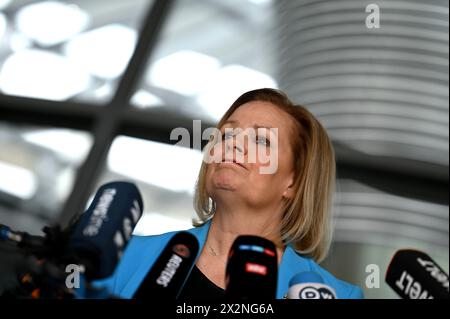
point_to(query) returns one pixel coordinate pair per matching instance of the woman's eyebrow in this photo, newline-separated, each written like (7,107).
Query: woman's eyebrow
(230,122)
(257,126)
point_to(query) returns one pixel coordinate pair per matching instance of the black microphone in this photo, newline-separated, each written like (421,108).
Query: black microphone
(412,274)
(309,285)
(252,269)
(169,273)
(103,231)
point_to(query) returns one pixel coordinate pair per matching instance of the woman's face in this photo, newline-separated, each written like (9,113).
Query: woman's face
(253,161)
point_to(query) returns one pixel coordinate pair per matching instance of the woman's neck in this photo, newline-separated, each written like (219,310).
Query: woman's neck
(226,226)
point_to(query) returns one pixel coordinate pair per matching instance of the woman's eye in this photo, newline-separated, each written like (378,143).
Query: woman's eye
(227,135)
(262,140)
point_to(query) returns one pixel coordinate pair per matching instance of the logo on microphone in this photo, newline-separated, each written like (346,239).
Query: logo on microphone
(169,271)
(100,213)
(256,269)
(312,292)
(181,250)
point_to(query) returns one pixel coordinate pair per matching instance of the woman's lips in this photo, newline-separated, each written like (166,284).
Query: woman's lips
(233,163)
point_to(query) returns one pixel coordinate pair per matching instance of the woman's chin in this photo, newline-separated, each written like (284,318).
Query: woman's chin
(230,187)
(226,182)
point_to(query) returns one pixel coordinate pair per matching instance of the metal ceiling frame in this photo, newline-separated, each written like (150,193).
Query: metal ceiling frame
(117,117)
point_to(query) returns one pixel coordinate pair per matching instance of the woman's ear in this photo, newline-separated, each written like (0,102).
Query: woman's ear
(289,190)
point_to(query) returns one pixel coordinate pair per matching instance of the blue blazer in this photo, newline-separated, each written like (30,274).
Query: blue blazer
(142,252)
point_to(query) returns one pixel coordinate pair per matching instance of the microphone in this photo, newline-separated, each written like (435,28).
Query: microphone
(22,239)
(94,242)
(412,274)
(169,273)
(309,285)
(103,231)
(252,269)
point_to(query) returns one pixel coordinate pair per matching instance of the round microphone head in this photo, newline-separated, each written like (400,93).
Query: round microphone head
(309,285)
(412,274)
(103,231)
(169,272)
(252,269)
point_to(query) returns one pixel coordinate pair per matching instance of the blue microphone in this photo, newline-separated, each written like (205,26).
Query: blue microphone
(309,285)
(103,231)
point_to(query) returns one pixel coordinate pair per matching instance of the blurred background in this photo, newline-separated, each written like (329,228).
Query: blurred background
(90,91)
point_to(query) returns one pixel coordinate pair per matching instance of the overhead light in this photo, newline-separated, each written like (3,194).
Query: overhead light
(64,182)
(71,145)
(17,181)
(104,92)
(4,4)
(167,166)
(261,2)
(156,223)
(185,72)
(105,51)
(228,84)
(42,74)
(19,42)
(50,22)
(143,99)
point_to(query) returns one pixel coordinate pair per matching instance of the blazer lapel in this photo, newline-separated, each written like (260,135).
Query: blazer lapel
(200,233)
(291,264)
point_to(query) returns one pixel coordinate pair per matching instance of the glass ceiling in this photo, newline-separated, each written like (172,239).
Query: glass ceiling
(60,50)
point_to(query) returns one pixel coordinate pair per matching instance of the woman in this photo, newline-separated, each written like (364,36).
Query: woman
(290,205)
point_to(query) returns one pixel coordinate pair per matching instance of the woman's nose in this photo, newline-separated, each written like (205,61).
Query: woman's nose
(237,142)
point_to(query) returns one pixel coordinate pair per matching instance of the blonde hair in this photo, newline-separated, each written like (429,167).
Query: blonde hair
(306,219)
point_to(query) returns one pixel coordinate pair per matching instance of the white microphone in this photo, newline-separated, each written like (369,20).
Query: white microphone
(309,285)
